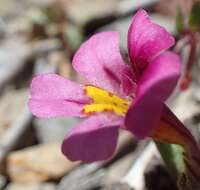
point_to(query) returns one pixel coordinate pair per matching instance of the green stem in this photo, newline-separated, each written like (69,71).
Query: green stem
(173,157)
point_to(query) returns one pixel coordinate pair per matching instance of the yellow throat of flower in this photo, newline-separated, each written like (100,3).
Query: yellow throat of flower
(104,101)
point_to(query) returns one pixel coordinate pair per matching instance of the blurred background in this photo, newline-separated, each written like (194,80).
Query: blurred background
(41,36)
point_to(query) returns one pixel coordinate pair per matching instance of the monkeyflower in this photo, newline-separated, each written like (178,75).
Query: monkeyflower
(118,95)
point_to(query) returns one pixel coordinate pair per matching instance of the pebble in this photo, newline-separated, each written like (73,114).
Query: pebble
(38,163)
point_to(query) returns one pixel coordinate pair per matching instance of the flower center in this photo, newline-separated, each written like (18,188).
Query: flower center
(104,101)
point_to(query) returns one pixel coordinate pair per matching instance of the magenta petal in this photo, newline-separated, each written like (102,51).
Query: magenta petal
(146,39)
(100,62)
(154,87)
(92,140)
(53,95)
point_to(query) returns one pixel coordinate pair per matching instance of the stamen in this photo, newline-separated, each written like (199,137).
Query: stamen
(104,101)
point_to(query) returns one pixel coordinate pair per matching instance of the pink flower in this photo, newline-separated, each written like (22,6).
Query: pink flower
(117,95)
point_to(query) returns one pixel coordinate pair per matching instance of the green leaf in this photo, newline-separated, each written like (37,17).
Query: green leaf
(194,18)
(179,20)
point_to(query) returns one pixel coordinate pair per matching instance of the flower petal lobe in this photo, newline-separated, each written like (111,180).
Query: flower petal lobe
(92,140)
(154,87)
(100,62)
(145,40)
(53,95)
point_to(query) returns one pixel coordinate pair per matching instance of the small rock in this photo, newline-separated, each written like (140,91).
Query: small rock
(95,8)
(118,169)
(57,128)
(38,163)
(10,103)
(3,181)
(98,8)
(42,47)
(20,27)
(195,93)
(135,176)
(19,186)
(88,176)
(118,186)
(184,105)
(13,56)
